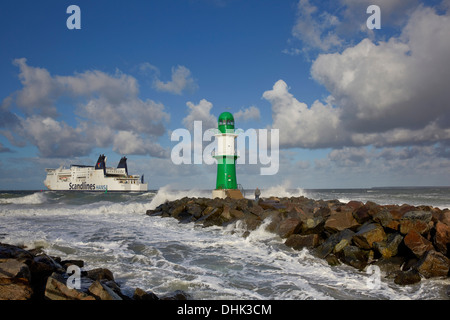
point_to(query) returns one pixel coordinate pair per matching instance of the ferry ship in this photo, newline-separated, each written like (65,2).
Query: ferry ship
(95,178)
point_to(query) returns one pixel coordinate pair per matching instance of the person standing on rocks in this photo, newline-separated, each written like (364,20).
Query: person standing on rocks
(257,194)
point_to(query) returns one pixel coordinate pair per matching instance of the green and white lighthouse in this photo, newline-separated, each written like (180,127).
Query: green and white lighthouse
(226,155)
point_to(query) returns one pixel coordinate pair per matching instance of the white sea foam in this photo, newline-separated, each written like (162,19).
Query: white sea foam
(166,193)
(283,190)
(34,198)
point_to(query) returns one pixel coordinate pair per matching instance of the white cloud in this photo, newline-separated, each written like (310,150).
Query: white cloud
(329,26)
(181,80)
(200,112)
(54,138)
(126,142)
(349,157)
(251,113)
(106,106)
(300,126)
(132,114)
(314,27)
(41,90)
(391,93)
(397,88)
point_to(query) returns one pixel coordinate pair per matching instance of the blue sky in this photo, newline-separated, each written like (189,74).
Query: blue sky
(354,107)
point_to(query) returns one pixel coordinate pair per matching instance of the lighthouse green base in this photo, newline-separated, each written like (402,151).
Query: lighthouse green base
(226,172)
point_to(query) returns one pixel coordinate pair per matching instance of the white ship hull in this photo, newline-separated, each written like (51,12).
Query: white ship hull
(90,178)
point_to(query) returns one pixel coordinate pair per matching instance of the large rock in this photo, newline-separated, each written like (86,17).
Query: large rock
(328,246)
(288,226)
(433,264)
(442,237)
(445,217)
(382,216)
(313,225)
(339,221)
(15,289)
(100,274)
(407,277)
(177,295)
(12,268)
(213,218)
(361,214)
(231,214)
(417,244)
(8,251)
(56,289)
(354,256)
(298,241)
(194,210)
(389,248)
(45,265)
(15,280)
(103,292)
(140,294)
(369,234)
(416,220)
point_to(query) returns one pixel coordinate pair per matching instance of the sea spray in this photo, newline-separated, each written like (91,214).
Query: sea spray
(283,190)
(166,193)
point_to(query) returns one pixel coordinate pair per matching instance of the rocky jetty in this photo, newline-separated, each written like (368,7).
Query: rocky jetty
(33,275)
(407,242)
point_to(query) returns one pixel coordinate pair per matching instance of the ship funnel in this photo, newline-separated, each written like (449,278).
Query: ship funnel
(101,163)
(123,164)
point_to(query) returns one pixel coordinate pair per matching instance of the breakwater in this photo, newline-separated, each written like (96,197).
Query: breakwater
(407,242)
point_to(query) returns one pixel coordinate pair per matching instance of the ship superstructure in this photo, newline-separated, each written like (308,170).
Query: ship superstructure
(95,178)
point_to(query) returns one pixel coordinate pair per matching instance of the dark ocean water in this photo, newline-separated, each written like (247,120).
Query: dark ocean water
(159,254)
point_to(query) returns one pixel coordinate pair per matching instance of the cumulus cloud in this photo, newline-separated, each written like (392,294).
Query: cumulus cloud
(127,142)
(329,26)
(349,157)
(200,112)
(131,114)
(250,113)
(41,90)
(181,80)
(397,87)
(54,138)
(390,93)
(106,106)
(314,27)
(302,126)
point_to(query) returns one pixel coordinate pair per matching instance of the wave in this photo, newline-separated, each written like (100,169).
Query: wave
(166,193)
(34,198)
(283,190)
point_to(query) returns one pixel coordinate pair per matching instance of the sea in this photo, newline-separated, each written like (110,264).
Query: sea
(111,230)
